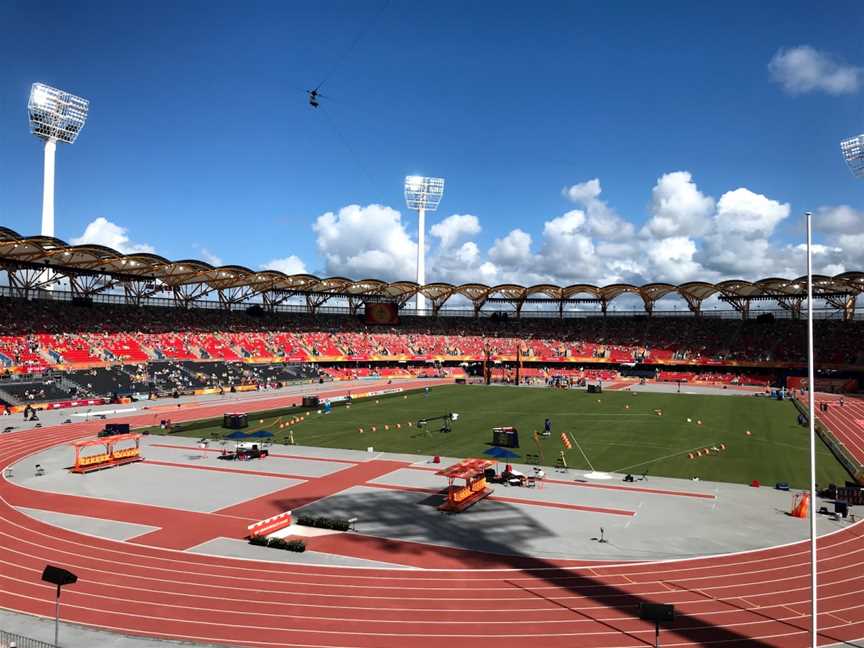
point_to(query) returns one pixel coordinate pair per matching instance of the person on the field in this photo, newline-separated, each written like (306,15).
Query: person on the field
(547,427)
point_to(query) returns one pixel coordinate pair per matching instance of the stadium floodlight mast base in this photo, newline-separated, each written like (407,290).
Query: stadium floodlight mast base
(422,195)
(55,116)
(811,402)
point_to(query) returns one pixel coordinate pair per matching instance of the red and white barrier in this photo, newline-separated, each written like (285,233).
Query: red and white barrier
(271,524)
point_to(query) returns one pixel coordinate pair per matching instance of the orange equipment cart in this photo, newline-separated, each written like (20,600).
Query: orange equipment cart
(473,471)
(113,452)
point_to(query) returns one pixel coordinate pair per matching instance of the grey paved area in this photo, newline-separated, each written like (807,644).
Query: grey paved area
(663,527)
(242,549)
(705,390)
(91,526)
(142,483)
(76,636)
(195,457)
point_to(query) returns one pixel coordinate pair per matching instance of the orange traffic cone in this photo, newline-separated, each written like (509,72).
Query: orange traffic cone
(801,505)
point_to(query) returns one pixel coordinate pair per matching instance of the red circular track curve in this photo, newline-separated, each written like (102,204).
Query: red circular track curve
(758,598)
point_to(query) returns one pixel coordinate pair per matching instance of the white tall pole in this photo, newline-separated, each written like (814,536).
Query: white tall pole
(48,188)
(57,621)
(421,256)
(811,384)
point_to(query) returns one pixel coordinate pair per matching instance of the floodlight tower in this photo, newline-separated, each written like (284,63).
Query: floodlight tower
(422,195)
(55,116)
(853,153)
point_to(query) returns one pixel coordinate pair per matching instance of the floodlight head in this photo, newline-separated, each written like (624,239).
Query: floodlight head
(853,153)
(423,193)
(56,115)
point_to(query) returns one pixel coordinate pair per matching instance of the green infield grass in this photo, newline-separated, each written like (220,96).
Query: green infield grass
(616,431)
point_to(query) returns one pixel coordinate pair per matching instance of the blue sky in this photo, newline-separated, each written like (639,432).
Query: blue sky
(200,141)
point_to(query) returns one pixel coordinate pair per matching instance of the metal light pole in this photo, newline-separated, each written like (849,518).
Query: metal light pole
(59,577)
(55,116)
(422,195)
(811,398)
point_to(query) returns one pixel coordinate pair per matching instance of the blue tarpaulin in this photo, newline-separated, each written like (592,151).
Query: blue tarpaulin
(260,434)
(500,453)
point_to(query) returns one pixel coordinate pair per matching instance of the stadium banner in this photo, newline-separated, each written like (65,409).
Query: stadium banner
(60,404)
(382,314)
(380,392)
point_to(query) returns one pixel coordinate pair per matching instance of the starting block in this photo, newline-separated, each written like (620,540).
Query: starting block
(270,525)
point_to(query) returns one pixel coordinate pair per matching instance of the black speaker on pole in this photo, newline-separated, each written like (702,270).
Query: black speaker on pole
(59,577)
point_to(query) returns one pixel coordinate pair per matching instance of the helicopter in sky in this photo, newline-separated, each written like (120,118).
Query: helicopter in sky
(314,95)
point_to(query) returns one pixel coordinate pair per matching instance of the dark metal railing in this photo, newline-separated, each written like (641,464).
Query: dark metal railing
(121,299)
(9,639)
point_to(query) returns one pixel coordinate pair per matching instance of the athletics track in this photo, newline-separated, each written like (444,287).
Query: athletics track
(757,598)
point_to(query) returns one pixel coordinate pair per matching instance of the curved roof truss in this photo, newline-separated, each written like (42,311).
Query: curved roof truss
(34,252)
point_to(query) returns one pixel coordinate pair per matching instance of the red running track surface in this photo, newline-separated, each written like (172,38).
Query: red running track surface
(750,599)
(845,421)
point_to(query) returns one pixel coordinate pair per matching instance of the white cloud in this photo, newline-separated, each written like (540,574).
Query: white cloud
(362,242)
(672,259)
(290,265)
(678,208)
(513,250)
(736,256)
(209,257)
(602,220)
(567,249)
(455,228)
(804,69)
(103,232)
(750,214)
(688,237)
(852,250)
(840,219)
(567,225)
(584,192)
(738,242)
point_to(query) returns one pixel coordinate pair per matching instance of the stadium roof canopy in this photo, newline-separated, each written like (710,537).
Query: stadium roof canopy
(93,269)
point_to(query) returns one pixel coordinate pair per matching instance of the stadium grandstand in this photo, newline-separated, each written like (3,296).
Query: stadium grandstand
(85,321)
